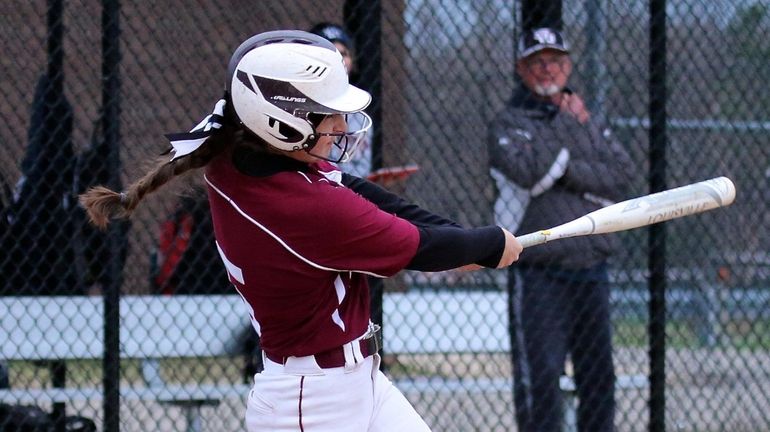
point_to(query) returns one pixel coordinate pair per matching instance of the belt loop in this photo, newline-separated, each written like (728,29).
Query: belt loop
(358,356)
(377,343)
(353,355)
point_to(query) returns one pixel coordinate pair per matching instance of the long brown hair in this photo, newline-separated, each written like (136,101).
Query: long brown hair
(103,204)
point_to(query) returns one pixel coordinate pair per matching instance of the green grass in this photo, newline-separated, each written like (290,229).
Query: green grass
(754,336)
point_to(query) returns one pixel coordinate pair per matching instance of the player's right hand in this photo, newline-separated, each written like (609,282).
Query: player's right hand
(512,249)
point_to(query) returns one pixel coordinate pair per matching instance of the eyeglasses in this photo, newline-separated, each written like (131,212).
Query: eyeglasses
(545,61)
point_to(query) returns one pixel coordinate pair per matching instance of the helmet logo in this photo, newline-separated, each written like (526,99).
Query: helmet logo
(275,129)
(289,99)
(282,132)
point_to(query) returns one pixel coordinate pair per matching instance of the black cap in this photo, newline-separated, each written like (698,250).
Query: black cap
(538,39)
(333,33)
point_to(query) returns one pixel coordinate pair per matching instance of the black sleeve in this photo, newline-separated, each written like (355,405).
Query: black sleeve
(445,248)
(392,203)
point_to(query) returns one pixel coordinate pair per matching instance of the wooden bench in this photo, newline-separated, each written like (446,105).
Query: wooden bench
(160,327)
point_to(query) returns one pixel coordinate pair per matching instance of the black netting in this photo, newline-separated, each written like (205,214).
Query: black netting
(90,87)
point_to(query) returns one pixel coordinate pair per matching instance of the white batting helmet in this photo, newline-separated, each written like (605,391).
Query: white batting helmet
(276,79)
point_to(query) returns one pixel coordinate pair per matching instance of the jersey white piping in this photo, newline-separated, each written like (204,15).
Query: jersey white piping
(333,176)
(278,239)
(306,177)
(339,288)
(233,269)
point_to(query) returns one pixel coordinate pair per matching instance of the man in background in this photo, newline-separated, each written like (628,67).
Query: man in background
(546,143)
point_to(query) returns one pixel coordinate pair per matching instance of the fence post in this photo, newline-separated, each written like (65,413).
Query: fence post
(54,95)
(541,13)
(110,129)
(657,239)
(362,19)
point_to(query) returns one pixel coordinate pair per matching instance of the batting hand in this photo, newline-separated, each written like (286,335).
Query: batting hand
(512,250)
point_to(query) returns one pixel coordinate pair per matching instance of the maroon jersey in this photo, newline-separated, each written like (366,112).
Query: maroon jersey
(298,246)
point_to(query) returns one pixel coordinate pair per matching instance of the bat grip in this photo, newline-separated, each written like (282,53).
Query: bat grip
(532,239)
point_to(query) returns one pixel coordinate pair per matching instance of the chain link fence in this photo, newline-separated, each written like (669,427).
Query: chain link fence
(84,104)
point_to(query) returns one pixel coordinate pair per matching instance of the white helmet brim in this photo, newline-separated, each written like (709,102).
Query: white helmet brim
(352,100)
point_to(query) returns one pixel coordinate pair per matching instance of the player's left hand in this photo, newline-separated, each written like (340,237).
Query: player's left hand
(512,249)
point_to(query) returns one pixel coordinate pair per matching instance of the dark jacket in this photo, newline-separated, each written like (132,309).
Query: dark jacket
(531,143)
(37,252)
(186,260)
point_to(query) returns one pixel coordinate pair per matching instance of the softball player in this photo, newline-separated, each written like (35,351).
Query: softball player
(298,237)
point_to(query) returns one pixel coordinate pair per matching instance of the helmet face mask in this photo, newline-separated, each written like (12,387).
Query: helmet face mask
(278,79)
(347,143)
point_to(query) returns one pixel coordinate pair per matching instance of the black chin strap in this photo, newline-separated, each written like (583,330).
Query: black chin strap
(343,152)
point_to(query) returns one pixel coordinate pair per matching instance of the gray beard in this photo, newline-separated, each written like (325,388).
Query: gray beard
(548,90)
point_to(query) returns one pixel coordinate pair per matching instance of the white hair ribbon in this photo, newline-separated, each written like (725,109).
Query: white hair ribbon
(187,142)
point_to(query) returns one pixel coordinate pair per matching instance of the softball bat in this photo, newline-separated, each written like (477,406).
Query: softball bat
(642,211)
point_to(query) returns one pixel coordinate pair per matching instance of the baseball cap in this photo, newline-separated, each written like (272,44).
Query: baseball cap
(333,33)
(538,39)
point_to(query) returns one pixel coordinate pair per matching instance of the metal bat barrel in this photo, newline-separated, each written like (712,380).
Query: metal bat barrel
(642,211)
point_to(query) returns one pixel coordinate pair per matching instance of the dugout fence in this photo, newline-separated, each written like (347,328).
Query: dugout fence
(89,87)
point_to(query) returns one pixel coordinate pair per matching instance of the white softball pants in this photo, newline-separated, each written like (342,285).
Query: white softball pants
(302,397)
